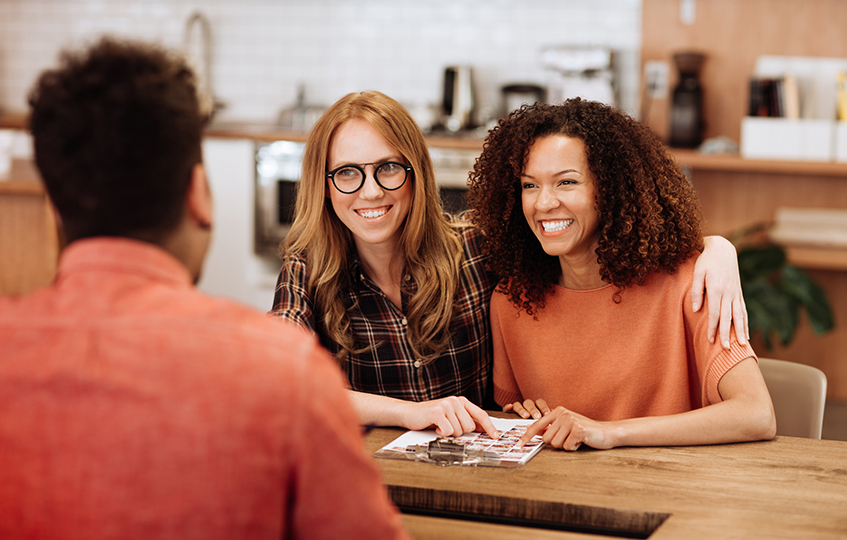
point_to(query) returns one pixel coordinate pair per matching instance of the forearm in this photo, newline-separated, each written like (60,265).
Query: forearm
(724,422)
(377,410)
(745,414)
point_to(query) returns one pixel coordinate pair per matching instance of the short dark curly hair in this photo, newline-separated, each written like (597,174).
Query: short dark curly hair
(117,129)
(650,217)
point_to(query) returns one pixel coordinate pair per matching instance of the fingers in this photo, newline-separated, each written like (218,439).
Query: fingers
(483,421)
(714,316)
(697,286)
(741,321)
(542,406)
(534,429)
(726,321)
(518,408)
(457,415)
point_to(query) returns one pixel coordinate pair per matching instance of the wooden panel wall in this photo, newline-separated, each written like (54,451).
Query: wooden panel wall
(29,245)
(732,34)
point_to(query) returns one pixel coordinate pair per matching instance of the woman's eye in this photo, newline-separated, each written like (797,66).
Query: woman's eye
(348,172)
(389,168)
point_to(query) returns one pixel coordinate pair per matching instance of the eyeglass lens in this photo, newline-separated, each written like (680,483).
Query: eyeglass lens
(389,175)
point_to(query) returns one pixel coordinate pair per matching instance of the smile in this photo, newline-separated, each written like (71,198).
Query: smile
(558,225)
(372,213)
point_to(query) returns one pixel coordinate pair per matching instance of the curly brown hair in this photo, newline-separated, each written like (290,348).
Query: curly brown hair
(650,217)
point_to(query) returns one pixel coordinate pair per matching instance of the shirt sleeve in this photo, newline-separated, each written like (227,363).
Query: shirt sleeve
(292,301)
(338,491)
(713,361)
(505,386)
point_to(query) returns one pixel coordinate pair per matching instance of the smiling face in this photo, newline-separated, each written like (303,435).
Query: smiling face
(558,199)
(374,215)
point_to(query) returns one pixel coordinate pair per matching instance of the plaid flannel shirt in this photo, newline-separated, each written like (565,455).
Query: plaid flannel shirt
(389,367)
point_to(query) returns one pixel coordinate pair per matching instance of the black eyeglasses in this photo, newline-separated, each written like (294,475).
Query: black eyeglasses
(390,176)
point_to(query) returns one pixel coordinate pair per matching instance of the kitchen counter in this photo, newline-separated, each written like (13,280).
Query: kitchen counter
(267,132)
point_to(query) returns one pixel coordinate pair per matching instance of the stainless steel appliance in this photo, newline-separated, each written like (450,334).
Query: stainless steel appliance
(459,97)
(278,169)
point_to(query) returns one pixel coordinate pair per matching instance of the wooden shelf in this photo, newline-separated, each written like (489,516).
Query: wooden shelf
(816,258)
(736,163)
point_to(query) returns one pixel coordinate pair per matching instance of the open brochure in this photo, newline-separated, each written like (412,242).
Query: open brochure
(469,449)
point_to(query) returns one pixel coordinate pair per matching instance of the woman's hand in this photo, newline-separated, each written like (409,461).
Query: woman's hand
(452,416)
(535,409)
(716,270)
(568,430)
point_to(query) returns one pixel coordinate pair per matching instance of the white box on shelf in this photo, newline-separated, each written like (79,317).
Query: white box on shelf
(841,141)
(790,139)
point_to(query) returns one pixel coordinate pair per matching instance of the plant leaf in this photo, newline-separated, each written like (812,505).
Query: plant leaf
(811,296)
(760,261)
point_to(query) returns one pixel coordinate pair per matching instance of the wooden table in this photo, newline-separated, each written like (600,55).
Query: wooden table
(784,488)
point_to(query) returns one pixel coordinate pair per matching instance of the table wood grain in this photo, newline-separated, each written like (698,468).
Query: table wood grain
(785,488)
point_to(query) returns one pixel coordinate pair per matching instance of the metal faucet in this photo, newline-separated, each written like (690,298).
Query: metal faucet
(197,21)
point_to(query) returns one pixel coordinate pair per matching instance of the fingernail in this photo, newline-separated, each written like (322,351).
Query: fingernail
(536,415)
(726,344)
(711,339)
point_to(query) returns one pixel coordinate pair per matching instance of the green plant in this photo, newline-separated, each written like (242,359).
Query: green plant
(775,291)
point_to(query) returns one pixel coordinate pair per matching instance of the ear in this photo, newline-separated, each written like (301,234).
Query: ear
(199,198)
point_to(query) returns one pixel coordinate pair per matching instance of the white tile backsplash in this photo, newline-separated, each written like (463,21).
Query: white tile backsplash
(262,49)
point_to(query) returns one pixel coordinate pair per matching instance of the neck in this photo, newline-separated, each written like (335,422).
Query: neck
(581,273)
(384,265)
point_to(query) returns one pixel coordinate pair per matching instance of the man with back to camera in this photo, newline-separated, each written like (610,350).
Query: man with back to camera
(131,405)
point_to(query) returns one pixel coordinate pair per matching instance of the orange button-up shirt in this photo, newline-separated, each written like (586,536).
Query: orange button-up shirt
(133,406)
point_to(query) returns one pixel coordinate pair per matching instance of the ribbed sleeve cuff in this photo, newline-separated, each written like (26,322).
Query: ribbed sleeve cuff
(504,397)
(720,365)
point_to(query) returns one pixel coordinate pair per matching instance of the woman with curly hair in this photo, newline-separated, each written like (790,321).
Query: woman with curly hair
(593,231)
(395,288)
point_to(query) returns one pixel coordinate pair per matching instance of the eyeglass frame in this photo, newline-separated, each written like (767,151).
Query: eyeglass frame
(361,168)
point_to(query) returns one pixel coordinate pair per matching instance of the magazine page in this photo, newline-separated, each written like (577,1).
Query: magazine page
(468,449)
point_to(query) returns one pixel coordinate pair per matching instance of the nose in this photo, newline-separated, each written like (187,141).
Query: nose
(371,189)
(546,200)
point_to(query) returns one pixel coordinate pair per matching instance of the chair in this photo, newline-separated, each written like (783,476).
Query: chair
(798,392)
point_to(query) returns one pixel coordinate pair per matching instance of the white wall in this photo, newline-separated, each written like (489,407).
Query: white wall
(264,48)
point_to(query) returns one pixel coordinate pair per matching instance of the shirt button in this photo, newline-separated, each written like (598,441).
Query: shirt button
(417,363)
(404,322)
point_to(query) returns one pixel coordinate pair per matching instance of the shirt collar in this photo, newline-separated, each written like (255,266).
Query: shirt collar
(122,255)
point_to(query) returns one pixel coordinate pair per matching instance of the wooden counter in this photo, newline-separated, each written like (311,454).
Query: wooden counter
(785,488)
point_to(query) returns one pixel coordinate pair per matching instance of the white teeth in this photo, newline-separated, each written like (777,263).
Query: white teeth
(553,226)
(371,213)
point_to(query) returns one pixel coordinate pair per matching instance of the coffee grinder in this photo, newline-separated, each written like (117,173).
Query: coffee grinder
(687,104)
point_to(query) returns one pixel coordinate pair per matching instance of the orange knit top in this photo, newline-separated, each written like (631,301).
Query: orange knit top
(646,356)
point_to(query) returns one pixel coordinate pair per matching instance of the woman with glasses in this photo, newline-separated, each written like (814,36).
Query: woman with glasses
(394,288)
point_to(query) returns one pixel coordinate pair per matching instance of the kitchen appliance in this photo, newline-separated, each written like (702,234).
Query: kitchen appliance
(586,72)
(459,100)
(302,116)
(687,102)
(278,170)
(515,95)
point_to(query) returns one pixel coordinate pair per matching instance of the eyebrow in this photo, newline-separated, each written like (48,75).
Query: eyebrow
(564,171)
(382,160)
